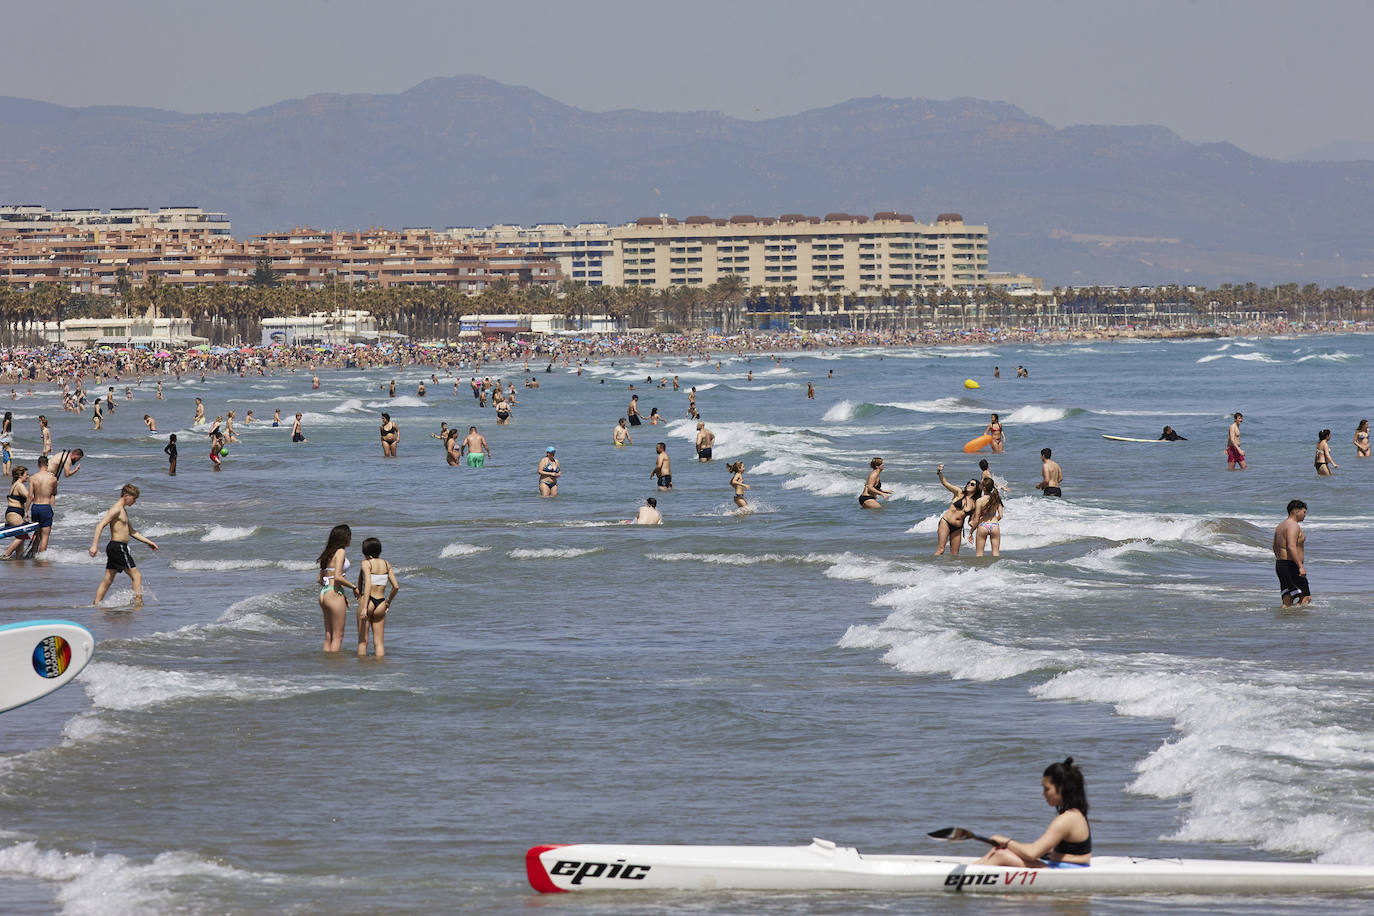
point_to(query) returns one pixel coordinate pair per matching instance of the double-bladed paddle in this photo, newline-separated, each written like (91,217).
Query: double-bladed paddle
(959,833)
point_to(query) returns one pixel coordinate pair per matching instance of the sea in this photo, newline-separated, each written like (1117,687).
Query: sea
(800,669)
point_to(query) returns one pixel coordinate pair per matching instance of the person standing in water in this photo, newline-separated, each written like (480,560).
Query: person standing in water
(1067,842)
(1290,564)
(986,526)
(296,434)
(632,411)
(391,434)
(1235,455)
(1362,439)
(373,577)
(171,449)
(333,563)
(117,557)
(873,486)
(476,448)
(1323,462)
(705,440)
(737,482)
(663,468)
(994,430)
(648,514)
(620,434)
(549,472)
(1051,475)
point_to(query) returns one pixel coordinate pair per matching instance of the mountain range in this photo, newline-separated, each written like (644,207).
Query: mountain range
(1086,204)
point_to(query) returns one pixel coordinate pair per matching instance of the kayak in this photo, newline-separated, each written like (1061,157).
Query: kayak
(825,866)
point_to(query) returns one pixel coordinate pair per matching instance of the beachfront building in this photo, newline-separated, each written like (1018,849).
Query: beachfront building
(549,323)
(341,326)
(840,254)
(84,259)
(145,331)
(32,218)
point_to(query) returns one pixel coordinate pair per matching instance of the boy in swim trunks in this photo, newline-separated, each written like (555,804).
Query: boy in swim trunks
(475,445)
(1235,456)
(1289,546)
(117,556)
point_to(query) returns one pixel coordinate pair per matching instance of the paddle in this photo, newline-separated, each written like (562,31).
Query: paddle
(959,833)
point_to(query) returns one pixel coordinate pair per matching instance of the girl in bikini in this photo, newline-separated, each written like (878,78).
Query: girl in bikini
(987,516)
(950,532)
(873,486)
(373,577)
(1068,841)
(333,563)
(994,430)
(737,482)
(1322,462)
(15,507)
(1362,439)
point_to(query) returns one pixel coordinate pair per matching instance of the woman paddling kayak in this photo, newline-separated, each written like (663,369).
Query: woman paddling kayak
(1068,841)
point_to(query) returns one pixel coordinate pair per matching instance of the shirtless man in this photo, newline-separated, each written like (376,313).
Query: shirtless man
(663,470)
(476,448)
(296,434)
(1289,544)
(648,514)
(632,411)
(46,434)
(391,434)
(43,493)
(200,413)
(705,439)
(117,556)
(1235,455)
(1051,475)
(620,436)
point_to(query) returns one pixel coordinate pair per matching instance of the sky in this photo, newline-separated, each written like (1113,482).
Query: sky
(1275,78)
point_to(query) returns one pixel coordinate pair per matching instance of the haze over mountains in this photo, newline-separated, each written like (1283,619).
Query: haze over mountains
(1076,205)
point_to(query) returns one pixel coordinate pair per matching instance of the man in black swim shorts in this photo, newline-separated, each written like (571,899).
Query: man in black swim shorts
(1289,561)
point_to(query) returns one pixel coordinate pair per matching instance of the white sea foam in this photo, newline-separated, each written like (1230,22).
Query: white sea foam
(1255,357)
(840,412)
(1033,414)
(741,559)
(405,400)
(166,531)
(460,549)
(351,405)
(1337,357)
(224,565)
(116,884)
(939,405)
(111,685)
(551,553)
(225,533)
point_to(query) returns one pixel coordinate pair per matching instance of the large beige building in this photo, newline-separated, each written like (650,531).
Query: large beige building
(842,253)
(30,218)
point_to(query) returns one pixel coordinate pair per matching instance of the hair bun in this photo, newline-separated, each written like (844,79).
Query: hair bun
(1068,761)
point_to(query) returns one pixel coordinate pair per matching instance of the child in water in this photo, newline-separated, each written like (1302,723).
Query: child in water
(171,450)
(373,577)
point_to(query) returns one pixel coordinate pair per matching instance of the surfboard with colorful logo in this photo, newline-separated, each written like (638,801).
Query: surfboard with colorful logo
(39,656)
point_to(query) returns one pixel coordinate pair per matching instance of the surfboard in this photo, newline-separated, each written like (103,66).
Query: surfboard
(974,445)
(1129,439)
(39,656)
(26,528)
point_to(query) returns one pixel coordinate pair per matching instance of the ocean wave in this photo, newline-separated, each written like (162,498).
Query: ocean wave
(742,559)
(224,565)
(460,549)
(1033,414)
(404,400)
(119,687)
(1338,357)
(351,405)
(551,553)
(225,533)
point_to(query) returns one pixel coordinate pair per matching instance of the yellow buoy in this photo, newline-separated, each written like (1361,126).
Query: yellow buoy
(970,383)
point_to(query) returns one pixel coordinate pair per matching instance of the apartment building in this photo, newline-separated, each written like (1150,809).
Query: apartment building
(840,253)
(93,260)
(26,218)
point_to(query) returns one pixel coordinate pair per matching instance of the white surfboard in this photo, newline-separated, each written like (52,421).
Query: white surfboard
(1129,439)
(26,528)
(39,656)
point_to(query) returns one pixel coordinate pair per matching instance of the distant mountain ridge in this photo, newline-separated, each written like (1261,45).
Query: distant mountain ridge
(1080,204)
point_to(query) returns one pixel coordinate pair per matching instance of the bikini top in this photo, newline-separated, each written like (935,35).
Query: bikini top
(328,579)
(550,467)
(19,498)
(1079,848)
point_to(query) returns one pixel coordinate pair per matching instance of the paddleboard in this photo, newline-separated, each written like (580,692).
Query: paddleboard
(26,528)
(39,656)
(1129,439)
(825,866)
(974,445)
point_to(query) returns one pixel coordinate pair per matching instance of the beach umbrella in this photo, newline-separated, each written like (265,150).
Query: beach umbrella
(162,354)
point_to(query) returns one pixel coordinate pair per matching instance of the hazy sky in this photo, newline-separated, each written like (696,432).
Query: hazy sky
(1274,78)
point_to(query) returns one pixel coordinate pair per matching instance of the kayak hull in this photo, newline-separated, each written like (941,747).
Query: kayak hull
(825,866)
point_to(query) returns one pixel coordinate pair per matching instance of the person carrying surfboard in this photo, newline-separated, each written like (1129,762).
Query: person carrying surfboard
(1067,842)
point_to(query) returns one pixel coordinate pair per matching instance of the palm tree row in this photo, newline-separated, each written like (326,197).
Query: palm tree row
(234,313)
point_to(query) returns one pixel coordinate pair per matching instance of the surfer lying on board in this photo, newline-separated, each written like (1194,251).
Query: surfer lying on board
(1068,841)
(1169,435)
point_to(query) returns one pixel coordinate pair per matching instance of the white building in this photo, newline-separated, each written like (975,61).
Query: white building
(123,332)
(30,217)
(338,327)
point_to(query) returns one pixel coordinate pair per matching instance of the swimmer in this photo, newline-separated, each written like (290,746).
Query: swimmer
(117,556)
(171,451)
(419,393)
(873,486)
(216,448)
(549,472)
(1169,435)
(810,392)
(1235,455)
(373,577)
(1051,475)
(986,525)
(994,429)
(654,418)
(1322,462)
(632,411)
(333,563)
(663,470)
(16,508)
(648,514)
(950,530)
(296,434)
(390,434)
(229,437)
(1068,841)
(199,418)
(620,435)
(737,482)
(705,439)
(249,418)
(45,434)
(1290,564)
(475,445)
(1362,439)
(276,417)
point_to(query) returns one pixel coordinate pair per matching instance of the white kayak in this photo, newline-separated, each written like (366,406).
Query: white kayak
(825,866)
